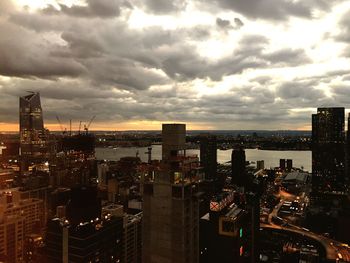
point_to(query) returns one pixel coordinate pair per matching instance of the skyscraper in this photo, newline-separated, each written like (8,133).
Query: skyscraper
(328,151)
(32,132)
(208,156)
(170,206)
(239,176)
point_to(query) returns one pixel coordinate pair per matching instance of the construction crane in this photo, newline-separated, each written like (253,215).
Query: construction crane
(86,127)
(59,122)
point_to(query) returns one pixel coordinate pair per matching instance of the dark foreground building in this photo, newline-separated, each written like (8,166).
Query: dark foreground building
(208,156)
(96,241)
(84,235)
(238,161)
(226,233)
(328,151)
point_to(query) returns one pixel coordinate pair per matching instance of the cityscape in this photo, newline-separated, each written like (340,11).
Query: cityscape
(61,201)
(184,131)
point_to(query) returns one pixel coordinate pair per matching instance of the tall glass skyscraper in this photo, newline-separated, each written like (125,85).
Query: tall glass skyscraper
(328,150)
(32,132)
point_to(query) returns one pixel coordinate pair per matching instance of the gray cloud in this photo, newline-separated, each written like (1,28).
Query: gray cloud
(272,9)
(93,8)
(161,6)
(288,57)
(223,23)
(25,55)
(87,60)
(344,25)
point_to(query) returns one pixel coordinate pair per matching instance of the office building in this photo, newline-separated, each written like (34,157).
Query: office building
(12,238)
(282,164)
(85,234)
(238,162)
(31,209)
(170,203)
(289,164)
(96,240)
(32,132)
(208,156)
(328,151)
(132,238)
(260,165)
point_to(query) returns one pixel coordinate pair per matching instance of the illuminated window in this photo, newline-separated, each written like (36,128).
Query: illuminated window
(241,251)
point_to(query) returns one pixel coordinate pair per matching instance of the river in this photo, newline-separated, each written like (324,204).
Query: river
(271,158)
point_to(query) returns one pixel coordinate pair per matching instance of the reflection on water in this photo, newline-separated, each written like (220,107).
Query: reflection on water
(271,158)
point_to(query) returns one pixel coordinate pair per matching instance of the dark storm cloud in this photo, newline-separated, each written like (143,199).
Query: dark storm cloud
(23,54)
(87,60)
(93,8)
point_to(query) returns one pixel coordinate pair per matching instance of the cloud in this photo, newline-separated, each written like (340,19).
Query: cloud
(23,54)
(192,61)
(163,7)
(223,23)
(272,9)
(93,8)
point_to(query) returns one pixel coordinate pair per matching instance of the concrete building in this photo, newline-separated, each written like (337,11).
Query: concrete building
(170,204)
(18,218)
(12,238)
(31,209)
(132,239)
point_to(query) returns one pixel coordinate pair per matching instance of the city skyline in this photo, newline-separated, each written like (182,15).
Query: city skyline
(213,65)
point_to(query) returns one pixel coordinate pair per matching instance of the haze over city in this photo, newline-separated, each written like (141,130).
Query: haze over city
(257,64)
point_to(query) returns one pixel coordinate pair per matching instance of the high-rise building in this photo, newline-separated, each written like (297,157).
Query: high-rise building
(347,156)
(289,164)
(282,164)
(32,132)
(96,240)
(328,151)
(132,238)
(238,162)
(85,234)
(208,156)
(260,165)
(170,205)
(31,209)
(12,238)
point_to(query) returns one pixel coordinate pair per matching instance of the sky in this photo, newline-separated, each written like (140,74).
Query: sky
(220,64)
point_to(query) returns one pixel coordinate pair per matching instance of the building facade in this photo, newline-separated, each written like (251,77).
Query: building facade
(170,204)
(32,132)
(328,151)
(208,156)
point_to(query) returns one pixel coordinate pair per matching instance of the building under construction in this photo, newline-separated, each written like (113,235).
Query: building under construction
(170,203)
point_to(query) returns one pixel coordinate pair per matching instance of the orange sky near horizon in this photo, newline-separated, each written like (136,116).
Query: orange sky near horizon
(124,126)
